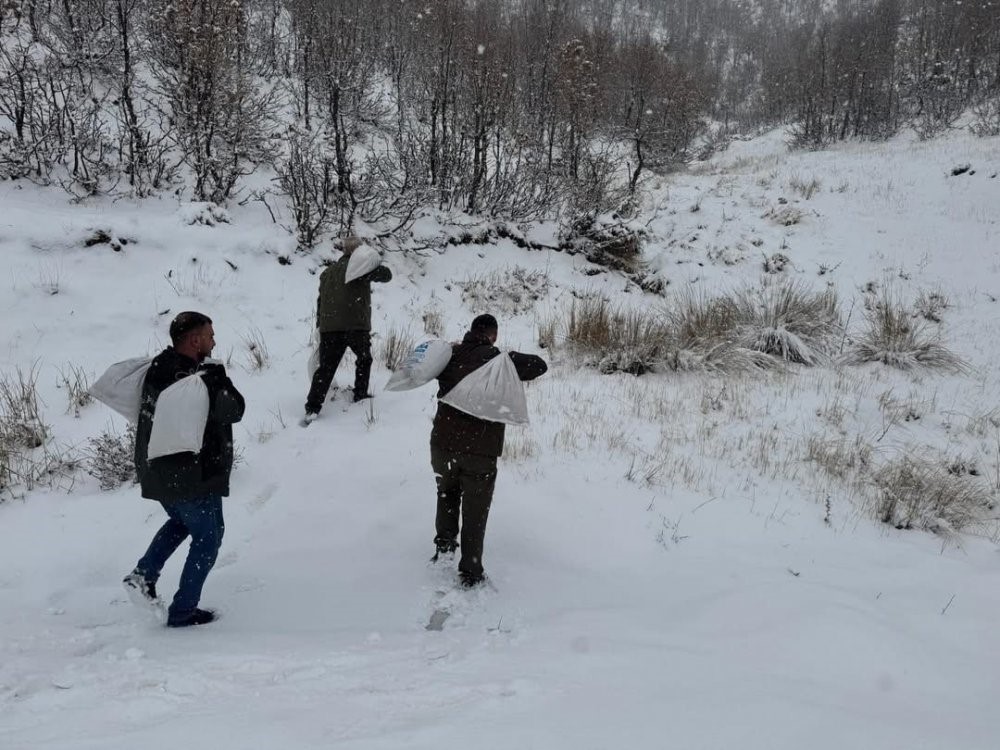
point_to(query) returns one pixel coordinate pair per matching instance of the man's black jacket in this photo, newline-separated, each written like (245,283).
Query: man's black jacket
(186,476)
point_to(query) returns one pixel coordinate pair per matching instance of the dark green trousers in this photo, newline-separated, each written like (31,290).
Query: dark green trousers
(464,486)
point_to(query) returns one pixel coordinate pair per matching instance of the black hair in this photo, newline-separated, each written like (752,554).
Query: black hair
(186,322)
(484,323)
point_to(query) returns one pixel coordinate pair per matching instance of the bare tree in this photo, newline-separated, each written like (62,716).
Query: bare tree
(219,112)
(659,110)
(307,177)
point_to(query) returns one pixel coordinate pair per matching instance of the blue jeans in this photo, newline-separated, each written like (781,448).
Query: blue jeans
(201,518)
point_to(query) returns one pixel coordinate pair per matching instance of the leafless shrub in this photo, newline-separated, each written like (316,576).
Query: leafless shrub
(895,338)
(222,113)
(987,114)
(110,457)
(258,357)
(915,493)
(607,241)
(511,291)
(397,345)
(306,175)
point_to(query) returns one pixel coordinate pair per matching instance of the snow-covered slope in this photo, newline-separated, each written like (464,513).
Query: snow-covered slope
(669,569)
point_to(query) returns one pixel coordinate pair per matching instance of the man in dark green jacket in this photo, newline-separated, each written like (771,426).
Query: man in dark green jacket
(189,486)
(465,449)
(344,320)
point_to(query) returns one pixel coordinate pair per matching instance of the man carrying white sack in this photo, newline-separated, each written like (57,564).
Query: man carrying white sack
(344,320)
(465,448)
(189,485)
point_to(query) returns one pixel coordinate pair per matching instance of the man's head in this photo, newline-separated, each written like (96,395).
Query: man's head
(192,335)
(350,244)
(486,325)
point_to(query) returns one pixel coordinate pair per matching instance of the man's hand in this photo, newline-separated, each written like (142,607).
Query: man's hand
(214,376)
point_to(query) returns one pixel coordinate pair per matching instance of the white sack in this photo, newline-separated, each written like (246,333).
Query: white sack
(494,392)
(421,366)
(180,418)
(120,387)
(363,260)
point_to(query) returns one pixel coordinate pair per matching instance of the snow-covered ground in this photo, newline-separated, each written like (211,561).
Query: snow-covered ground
(669,569)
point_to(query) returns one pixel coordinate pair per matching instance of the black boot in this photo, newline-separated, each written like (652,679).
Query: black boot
(198,617)
(445,551)
(471,580)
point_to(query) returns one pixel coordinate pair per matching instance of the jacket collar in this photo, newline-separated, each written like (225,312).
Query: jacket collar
(475,337)
(182,360)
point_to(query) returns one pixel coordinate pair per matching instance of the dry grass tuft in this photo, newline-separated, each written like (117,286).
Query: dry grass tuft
(919,494)
(793,323)
(397,345)
(618,339)
(28,459)
(729,332)
(76,383)
(257,356)
(21,426)
(433,321)
(807,188)
(840,458)
(930,305)
(702,323)
(759,328)
(519,446)
(895,338)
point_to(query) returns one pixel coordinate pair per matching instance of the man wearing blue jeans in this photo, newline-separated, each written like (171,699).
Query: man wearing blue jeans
(189,486)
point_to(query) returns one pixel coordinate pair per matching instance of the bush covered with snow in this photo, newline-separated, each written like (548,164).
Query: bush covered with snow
(921,494)
(895,337)
(110,456)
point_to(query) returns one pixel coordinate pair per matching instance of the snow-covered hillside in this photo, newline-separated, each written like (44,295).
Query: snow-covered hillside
(674,563)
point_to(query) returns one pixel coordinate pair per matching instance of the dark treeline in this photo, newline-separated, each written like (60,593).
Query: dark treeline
(372,108)
(838,69)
